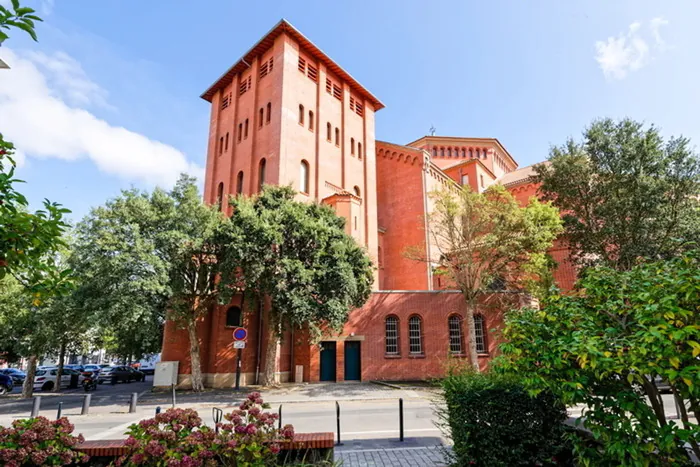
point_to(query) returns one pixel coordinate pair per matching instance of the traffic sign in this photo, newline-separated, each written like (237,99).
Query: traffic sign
(240,334)
(239,344)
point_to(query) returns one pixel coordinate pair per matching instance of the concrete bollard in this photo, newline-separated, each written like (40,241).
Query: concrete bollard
(86,404)
(36,406)
(60,409)
(133,401)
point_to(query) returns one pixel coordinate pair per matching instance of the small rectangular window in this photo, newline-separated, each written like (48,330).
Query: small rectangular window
(312,73)
(465,179)
(302,65)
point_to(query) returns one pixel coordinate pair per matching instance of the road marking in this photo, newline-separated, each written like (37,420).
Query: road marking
(117,430)
(388,431)
(343,451)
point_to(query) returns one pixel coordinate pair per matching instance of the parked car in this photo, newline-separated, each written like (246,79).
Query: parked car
(79,368)
(45,379)
(6,385)
(18,376)
(147,365)
(94,368)
(115,374)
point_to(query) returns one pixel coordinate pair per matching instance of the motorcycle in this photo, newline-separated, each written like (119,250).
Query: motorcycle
(89,383)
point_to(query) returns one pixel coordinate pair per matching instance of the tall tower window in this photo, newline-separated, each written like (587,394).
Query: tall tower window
(269,111)
(261,174)
(311,120)
(239,183)
(220,195)
(301,114)
(337,136)
(245,132)
(226,144)
(359,150)
(240,132)
(352,146)
(328,131)
(304,177)
(261,116)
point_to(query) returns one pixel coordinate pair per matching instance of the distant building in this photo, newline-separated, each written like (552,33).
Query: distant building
(285,113)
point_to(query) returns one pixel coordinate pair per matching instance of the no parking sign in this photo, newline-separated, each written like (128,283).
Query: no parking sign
(239,337)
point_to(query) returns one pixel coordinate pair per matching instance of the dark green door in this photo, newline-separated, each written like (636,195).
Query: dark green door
(328,361)
(352,361)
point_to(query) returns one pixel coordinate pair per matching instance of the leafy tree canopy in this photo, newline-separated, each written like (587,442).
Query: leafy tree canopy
(625,193)
(487,238)
(298,256)
(609,346)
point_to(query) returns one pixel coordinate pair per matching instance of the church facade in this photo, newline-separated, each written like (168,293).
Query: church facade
(285,113)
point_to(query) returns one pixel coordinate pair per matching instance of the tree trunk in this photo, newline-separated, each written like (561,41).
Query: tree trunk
(61,356)
(473,357)
(273,338)
(28,387)
(195,363)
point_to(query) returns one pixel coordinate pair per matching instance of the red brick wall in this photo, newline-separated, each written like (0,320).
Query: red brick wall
(400,210)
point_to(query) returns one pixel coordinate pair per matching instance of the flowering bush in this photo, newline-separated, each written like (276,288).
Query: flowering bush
(177,438)
(39,441)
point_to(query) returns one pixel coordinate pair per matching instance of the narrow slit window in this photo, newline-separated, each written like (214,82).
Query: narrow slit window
(329,131)
(311,120)
(240,132)
(359,150)
(245,132)
(352,146)
(301,114)
(239,183)
(304,177)
(337,136)
(269,111)
(261,116)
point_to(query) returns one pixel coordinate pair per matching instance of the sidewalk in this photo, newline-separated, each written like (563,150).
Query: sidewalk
(413,452)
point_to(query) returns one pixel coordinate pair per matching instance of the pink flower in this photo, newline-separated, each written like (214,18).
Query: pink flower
(251,429)
(275,448)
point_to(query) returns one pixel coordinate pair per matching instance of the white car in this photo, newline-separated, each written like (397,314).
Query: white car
(45,379)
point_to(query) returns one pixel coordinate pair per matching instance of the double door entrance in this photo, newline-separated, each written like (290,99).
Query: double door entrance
(352,353)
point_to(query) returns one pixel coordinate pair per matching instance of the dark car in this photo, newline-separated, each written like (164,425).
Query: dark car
(18,376)
(5,384)
(115,374)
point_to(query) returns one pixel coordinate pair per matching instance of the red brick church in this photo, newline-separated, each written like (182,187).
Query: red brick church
(286,113)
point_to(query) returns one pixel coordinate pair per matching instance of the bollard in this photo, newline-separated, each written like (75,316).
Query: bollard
(217,414)
(337,416)
(173,389)
(86,404)
(279,425)
(36,406)
(157,410)
(401,420)
(60,409)
(133,401)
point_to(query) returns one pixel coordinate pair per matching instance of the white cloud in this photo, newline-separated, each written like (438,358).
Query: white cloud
(47,7)
(36,117)
(629,51)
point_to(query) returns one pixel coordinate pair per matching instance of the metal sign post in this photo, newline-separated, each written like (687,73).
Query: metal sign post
(240,335)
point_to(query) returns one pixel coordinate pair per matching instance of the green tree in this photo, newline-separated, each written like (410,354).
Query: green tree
(609,347)
(297,257)
(122,274)
(19,17)
(485,241)
(190,244)
(625,193)
(143,254)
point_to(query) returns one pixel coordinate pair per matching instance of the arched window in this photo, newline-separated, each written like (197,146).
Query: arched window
(442,152)
(261,174)
(415,335)
(220,195)
(261,116)
(304,177)
(454,324)
(311,120)
(357,191)
(269,111)
(245,132)
(471,153)
(328,131)
(434,152)
(449,152)
(337,136)
(391,326)
(359,150)
(221,145)
(233,317)
(226,143)
(480,333)
(239,183)
(301,114)
(464,153)
(240,132)
(352,146)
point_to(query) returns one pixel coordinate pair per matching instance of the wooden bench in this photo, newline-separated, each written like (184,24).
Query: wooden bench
(301,442)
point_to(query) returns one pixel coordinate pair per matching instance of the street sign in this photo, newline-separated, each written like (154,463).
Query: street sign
(239,344)
(240,334)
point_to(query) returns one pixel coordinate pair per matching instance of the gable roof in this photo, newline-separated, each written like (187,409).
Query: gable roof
(522,175)
(264,44)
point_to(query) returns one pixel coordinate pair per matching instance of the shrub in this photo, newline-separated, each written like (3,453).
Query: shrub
(39,441)
(493,421)
(177,438)
(609,346)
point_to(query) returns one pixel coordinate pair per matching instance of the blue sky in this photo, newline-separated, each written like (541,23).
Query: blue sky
(109,97)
